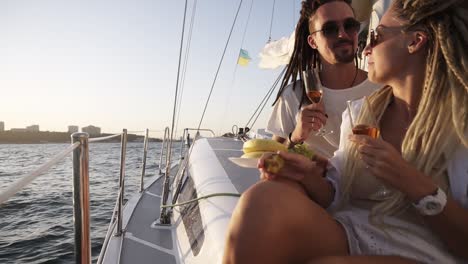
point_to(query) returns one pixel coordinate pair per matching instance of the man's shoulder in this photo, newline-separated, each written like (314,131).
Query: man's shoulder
(292,89)
(367,84)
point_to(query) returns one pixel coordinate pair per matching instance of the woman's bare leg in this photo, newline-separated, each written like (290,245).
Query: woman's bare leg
(275,222)
(363,260)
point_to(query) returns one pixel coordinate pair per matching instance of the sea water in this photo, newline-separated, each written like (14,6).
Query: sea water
(36,225)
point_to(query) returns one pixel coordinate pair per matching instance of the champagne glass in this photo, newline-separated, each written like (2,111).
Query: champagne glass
(314,93)
(368,126)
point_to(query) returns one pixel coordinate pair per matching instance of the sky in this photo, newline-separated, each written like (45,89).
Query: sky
(113,64)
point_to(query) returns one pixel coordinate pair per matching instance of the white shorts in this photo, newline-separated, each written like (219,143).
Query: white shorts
(366,239)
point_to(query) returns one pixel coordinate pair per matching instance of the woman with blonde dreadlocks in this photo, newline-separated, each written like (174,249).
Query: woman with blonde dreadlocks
(418,52)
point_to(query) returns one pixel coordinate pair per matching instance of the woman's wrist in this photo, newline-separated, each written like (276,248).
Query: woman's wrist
(419,187)
(293,140)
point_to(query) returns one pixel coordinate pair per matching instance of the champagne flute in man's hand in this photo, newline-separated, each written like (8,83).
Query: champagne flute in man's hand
(314,93)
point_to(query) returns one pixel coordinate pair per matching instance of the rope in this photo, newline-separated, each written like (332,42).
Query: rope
(178,77)
(226,104)
(247,23)
(202,197)
(219,66)
(104,138)
(134,132)
(265,100)
(294,14)
(28,178)
(269,95)
(169,152)
(271,22)
(187,52)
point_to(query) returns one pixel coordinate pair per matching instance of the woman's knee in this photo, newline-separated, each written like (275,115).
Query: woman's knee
(268,196)
(263,205)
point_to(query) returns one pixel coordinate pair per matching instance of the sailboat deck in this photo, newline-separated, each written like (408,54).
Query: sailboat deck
(145,242)
(142,240)
(241,178)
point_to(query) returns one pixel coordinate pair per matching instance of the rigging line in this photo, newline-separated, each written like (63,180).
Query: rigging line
(261,102)
(166,180)
(267,96)
(235,68)
(247,23)
(279,77)
(219,66)
(294,13)
(187,52)
(271,21)
(178,77)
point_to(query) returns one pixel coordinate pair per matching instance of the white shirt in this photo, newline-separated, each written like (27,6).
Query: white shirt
(286,112)
(457,169)
(417,241)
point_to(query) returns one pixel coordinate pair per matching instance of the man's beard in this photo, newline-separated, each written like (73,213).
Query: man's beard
(343,56)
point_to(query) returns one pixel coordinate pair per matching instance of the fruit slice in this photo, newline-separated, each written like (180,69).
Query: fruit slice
(274,163)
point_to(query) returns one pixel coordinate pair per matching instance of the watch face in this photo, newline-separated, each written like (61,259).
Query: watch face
(432,205)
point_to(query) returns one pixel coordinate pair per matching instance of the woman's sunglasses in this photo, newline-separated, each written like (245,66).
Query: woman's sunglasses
(374,38)
(331,29)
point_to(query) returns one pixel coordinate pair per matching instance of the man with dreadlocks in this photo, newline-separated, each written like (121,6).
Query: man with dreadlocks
(326,41)
(418,51)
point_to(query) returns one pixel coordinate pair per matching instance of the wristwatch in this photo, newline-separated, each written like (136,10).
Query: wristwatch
(432,204)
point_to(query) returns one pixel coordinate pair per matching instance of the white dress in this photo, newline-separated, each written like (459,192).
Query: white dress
(283,118)
(417,241)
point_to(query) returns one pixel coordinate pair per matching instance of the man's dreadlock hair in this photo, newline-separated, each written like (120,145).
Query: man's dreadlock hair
(303,55)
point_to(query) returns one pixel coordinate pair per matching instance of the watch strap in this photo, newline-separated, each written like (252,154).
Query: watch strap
(432,204)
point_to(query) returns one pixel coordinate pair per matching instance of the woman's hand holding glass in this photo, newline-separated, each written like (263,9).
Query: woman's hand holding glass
(368,128)
(387,164)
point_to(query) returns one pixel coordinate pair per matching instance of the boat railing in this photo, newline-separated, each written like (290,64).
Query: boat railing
(81,202)
(145,153)
(186,138)
(164,146)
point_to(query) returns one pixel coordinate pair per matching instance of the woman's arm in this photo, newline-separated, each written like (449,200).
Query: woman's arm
(386,163)
(451,225)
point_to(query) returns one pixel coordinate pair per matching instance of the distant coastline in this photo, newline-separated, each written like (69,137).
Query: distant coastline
(44,137)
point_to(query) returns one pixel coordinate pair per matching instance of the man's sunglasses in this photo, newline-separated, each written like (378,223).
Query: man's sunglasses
(331,29)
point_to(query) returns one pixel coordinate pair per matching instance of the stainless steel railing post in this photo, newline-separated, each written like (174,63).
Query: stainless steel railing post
(123,150)
(145,152)
(164,218)
(81,199)
(163,146)
(182,143)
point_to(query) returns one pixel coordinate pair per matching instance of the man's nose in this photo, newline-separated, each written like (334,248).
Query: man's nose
(342,32)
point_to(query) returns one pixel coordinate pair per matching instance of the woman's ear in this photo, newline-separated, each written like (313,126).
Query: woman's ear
(311,41)
(418,41)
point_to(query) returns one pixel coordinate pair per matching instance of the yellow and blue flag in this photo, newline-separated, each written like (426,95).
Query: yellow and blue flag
(244,57)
